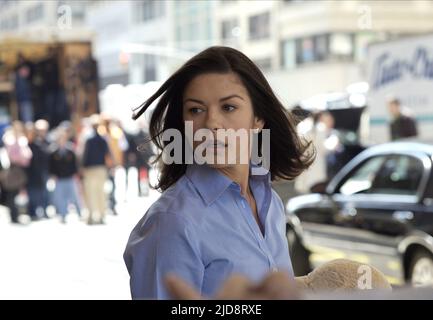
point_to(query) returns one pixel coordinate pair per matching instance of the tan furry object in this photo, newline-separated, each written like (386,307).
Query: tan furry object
(343,275)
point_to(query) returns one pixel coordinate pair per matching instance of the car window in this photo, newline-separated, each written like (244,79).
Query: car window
(399,174)
(361,180)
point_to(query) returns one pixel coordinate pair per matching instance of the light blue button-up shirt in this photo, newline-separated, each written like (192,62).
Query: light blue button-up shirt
(203,230)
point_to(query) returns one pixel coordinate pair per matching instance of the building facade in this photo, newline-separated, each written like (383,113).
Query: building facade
(141,41)
(307,47)
(40,20)
(304,47)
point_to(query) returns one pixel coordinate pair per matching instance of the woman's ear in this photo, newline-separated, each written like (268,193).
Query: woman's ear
(258,123)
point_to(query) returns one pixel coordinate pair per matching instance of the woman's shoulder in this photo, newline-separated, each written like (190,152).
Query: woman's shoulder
(160,230)
(180,199)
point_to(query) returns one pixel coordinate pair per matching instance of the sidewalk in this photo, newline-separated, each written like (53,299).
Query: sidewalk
(50,260)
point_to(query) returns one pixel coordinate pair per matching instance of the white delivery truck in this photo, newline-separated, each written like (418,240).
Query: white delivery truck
(402,69)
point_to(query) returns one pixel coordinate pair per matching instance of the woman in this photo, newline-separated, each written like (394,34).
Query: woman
(14,160)
(214,220)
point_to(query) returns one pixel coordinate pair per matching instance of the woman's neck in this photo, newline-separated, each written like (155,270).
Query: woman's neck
(239,174)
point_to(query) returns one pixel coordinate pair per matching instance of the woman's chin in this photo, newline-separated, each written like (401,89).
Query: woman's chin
(218,165)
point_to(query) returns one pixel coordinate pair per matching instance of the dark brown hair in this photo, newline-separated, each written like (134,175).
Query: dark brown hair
(289,154)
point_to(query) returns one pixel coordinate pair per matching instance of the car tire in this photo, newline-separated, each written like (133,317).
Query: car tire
(421,269)
(299,255)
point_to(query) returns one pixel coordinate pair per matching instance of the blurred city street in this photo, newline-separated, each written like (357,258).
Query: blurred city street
(50,260)
(101,99)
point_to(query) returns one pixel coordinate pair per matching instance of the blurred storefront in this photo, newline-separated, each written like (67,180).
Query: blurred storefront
(63,79)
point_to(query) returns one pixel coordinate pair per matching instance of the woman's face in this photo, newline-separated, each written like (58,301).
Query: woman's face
(217,101)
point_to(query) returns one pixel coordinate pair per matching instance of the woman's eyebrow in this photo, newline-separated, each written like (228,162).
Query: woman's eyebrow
(194,100)
(231,96)
(222,99)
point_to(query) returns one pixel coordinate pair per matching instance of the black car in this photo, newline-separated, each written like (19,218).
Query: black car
(378,209)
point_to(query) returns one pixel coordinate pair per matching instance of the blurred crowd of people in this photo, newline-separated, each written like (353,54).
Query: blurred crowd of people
(331,151)
(335,145)
(76,163)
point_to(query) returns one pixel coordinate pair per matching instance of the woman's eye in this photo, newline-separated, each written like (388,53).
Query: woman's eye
(228,107)
(195,110)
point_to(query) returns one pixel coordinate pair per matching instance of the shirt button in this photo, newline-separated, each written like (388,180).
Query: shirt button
(274,269)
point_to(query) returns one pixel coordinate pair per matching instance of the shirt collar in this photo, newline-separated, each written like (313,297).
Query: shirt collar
(259,173)
(211,184)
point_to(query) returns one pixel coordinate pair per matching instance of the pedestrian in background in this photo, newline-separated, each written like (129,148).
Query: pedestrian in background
(317,129)
(113,133)
(63,168)
(96,160)
(23,89)
(138,155)
(15,157)
(37,171)
(402,125)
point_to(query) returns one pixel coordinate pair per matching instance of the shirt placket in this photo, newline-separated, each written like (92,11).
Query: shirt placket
(248,216)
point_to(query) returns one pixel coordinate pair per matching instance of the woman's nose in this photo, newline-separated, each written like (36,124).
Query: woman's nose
(213,120)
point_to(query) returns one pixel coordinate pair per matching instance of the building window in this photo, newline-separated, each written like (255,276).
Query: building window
(229,29)
(289,54)
(228,1)
(341,46)
(209,36)
(259,26)
(10,23)
(78,13)
(78,8)
(321,47)
(149,67)
(304,50)
(179,34)
(149,10)
(6,3)
(35,13)
(362,40)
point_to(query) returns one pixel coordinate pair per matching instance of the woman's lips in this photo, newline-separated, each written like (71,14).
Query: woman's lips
(215,144)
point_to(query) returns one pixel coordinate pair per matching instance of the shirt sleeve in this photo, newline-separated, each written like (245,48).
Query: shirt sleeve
(163,244)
